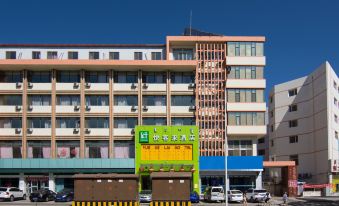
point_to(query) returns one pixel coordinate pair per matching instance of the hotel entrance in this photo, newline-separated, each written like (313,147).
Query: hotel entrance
(36,183)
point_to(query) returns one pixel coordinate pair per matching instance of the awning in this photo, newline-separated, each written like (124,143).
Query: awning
(234,163)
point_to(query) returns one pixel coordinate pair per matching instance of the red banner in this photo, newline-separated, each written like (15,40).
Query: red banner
(317,186)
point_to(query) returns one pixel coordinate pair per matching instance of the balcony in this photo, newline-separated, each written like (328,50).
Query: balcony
(123,132)
(96,86)
(67,86)
(11,86)
(246,107)
(125,87)
(183,109)
(125,109)
(97,109)
(67,109)
(246,83)
(182,87)
(154,109)
(10,132)
(102,132)
(39,86)
(39,109)
(10,109)
(39,132)
(154,87)
(67,131)
(246,60)
(259,130)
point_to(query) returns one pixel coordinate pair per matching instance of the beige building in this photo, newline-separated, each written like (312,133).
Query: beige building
(303,125)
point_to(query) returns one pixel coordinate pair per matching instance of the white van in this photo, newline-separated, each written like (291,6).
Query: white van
(215,193)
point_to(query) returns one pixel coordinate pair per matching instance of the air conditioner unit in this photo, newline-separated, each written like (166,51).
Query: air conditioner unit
(132,131)
(30,130)
(76,107)
(30,85)
(134,108)
(145,108)
(88,108)
(191,85)
(192,108)
(17,130)
(18,84)
(76,85)
(87,131)
(134,85)
(145,85)
(18,108)
(76,130)
(30,107)
(88,84)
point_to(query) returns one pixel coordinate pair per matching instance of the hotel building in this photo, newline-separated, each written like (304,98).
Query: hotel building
(72,108)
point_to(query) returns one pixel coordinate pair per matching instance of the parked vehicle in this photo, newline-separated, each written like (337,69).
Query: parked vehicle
(194,197)
(145,196)
(42,195)
(214,193)
(256,195)
(65,195)
(11,193)
(234,196)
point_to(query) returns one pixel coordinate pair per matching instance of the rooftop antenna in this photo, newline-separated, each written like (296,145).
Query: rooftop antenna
(191,23)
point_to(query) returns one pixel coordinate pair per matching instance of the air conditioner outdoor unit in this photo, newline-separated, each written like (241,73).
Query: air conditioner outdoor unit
(145,108)
(88,84)
(134,85)
(88,108)
(132,131)
(76,107)
(192,108)
(145,85)
(76,85)
(87,131)
(18,84)
(30,130)
(191,85)
(18,108)
(134,108)
(30,107)
(76,130)
(30,84)
(17,130)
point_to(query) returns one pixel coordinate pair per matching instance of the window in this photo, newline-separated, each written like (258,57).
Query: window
(294,139)
(154,100)
(39,76)
(10,55)
(137,55)
(271,99)
(245,95)
(93,55)
(68,149)
(96,149)
(294,158)
(131,100)
(245,49)
(246,72)
(96,76)
(10,77)
(97,122)
(39,149)
(156,56)
(158,121)
(336,134)
(336,118)
(292,108)
(36,55)
(335,101)
(67,76)
(10,149)
(335,85)
(182,77)
(124,149)
(154,77)
(240,148)
(97,100)
(272,143)
(12,100)
(68,100)
(183,54)
(271,113)
(39,100)
(246,118)
(73,55)
(180,121)
(67,122)
(261,140)
(10,122)
(292,92)
(114,55)
(39,122)
(261,152)
(272,128)
(52,55)
(293,123)
(125,122)
(125,77)
(179,100)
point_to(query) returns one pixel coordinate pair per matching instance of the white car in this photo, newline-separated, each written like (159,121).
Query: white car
(257,195)
(214,194)
(235,196)
(11,193)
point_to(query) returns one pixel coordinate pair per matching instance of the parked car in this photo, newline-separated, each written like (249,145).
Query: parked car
(194,197)
(256,195)
(11,193)
(65,195)
(145,196)
(234,196)
(214,193)
(42,195)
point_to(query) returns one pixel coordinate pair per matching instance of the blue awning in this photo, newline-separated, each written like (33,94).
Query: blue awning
(234,163)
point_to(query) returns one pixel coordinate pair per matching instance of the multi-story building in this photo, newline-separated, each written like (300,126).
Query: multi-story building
(68,109)
(303,125)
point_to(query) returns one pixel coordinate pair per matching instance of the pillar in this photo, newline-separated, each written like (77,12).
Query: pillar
(258,181)
(51,182)
(22,183)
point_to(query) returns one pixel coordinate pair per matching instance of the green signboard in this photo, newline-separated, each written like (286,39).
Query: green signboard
(143,136)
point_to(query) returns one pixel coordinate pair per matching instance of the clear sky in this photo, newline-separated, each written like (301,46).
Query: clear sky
(300,34)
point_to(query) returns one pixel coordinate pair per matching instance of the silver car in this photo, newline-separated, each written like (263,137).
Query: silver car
(145,196)
(11,193)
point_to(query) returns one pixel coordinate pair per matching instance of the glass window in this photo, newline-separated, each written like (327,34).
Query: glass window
(246,72)
(245,49)
(231,49)
(39,122)
(10,55)
(39,76)
(39,149)
(293,108)
(179,100)
(10,149)
(73,55)
(154,100)
(52,55)
(156,56)
(97,122)
(12,100)
(114,55)
(294,139)
(93,55)
(137,55)
(245,95)
(36,55)
(125,77)
(97,100)
(10,122)
(96,76)
(68,149)
(182,77)
(293,123)
(131,100)
(154,77)
(158,121)
(125,122)
(67,122)
(68,76)
(124,149)
(179,121)
(246,118)
(292,92)
(10,77)
(183,54)
(68,100)
(240,148)
(96,149)
(39,100)
(294,158)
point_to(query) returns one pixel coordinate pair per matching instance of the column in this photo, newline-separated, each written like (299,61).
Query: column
(82,114)
(24,115)
(22,183)
(168,97)
(53,98)
(51,182)
(111,117)
(258,181)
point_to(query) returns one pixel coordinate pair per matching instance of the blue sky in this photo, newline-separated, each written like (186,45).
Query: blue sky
(301,34)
